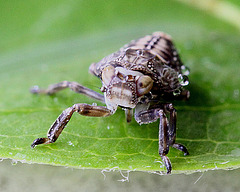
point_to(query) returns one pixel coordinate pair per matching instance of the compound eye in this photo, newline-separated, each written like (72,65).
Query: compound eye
(144,85)
(107,74)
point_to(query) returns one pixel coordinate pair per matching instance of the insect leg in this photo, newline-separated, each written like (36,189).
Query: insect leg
(128,115)
(76,87)
(143,115)
(60,123)
(184,95)
(172,122)
(172,129)
(150,116)
(164,140)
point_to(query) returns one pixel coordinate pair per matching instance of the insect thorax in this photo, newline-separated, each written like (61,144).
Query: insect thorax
(154,56)
(166,79)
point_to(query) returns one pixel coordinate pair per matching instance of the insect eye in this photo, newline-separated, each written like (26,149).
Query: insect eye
(108,74)
(144,85)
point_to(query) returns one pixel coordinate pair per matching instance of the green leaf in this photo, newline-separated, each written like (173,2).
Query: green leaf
(54,41)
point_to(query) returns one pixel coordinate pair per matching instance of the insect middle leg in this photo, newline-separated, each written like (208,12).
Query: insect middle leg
(76,87)
(172,129)
(61,122)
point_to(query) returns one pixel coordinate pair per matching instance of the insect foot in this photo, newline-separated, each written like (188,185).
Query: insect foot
(143,77)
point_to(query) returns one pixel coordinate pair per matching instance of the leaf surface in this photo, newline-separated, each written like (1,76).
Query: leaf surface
(59,42)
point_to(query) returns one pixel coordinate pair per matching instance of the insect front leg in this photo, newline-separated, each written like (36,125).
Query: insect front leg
(167,130)
(128,115)
(60,123)
(74,86)
(149,116)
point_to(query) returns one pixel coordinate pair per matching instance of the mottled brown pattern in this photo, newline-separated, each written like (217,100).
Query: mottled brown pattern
(154,55)
(142,76)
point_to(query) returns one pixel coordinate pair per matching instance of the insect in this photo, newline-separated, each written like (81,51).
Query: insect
(145,76)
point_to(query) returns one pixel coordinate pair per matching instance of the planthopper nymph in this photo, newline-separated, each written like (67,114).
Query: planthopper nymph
(143,78)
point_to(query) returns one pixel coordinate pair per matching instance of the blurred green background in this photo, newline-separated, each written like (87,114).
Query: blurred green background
(44,42)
